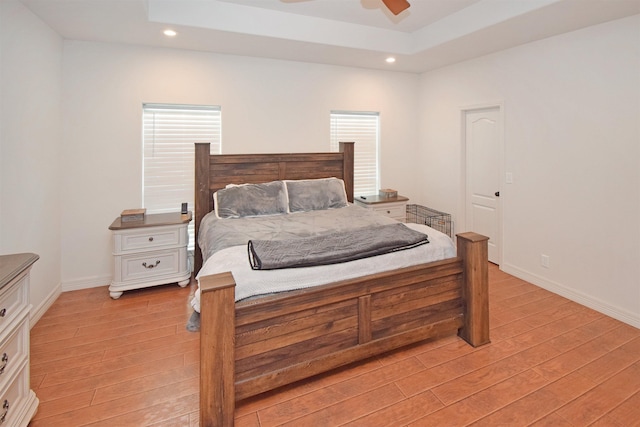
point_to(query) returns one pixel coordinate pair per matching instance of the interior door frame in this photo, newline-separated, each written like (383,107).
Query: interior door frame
(501,166)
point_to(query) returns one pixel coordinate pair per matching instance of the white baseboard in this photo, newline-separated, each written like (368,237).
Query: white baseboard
(85,283)
(603,307)
(37,313)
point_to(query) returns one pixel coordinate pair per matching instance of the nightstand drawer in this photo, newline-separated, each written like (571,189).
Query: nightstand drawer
(392,211)
(149,239)
(395,208)
(149,265)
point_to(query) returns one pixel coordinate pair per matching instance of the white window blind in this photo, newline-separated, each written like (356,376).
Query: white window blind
(363,128)
(168,136)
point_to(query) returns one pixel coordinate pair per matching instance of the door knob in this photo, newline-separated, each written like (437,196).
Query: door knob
(497,194)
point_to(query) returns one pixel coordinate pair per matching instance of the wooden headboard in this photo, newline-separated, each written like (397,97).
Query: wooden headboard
(214,172)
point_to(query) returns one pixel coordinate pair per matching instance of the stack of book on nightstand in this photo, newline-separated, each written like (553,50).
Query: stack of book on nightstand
(132,215)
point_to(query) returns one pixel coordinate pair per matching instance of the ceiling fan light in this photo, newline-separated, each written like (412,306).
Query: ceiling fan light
(396,6)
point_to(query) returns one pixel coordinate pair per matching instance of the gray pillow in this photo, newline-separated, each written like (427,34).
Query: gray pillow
(316,194)
(251,200)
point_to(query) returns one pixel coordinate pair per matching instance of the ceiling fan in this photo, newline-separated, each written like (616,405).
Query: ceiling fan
(396,6)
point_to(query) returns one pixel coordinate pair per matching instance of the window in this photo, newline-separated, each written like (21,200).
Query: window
(168,136)
(363,128)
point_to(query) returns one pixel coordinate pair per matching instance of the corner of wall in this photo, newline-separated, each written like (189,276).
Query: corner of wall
(44,305)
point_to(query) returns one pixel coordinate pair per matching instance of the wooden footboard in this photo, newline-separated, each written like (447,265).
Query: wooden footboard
(251,347)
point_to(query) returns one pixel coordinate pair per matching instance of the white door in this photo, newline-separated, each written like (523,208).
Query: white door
(483,156)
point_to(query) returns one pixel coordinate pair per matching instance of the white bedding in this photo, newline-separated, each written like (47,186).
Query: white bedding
(251,283)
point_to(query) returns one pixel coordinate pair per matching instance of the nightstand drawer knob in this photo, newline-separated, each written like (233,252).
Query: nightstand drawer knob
(144,264)
(3,312)
(5,360)
(151,239)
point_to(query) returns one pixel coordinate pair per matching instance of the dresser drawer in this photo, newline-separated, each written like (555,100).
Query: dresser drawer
(14,398)
(150,265)
(13,352)
(149,238)
(13,300)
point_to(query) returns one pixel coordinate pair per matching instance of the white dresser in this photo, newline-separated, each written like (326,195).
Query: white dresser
(395,208)
(150,252)
(18,403)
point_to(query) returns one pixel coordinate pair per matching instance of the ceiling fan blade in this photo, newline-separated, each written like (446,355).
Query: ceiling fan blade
(396,6)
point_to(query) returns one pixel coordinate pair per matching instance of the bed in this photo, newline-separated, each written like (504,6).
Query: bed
(258,344)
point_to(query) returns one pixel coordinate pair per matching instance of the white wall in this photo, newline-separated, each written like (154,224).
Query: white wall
(572,142)
(267,106)
(30,140)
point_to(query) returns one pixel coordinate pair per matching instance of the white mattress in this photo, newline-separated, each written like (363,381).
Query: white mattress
(251,283)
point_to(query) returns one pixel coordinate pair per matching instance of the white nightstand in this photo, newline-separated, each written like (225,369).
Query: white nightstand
(150,252)
(395,208)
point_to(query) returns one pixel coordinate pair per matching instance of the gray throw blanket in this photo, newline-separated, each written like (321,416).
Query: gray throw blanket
(333,248)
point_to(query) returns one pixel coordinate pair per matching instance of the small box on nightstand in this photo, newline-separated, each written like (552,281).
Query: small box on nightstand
(132,215)
(388,193)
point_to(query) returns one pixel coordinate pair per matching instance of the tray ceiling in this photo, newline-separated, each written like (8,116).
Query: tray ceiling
(360,33)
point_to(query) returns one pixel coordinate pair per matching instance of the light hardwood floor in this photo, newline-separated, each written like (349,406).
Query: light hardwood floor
(551,362)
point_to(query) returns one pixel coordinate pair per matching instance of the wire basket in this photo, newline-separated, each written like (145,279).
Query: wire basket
(435,219)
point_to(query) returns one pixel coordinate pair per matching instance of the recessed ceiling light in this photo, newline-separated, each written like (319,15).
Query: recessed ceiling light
(390,60)
(170,33)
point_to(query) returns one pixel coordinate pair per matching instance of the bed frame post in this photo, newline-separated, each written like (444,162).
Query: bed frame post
(202,201)
(473,250)
(347,167)
(217,350)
